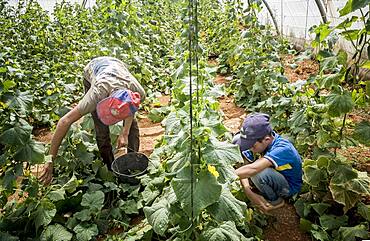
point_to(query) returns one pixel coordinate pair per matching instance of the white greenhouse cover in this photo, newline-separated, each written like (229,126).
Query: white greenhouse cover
(48,5)
(294,17)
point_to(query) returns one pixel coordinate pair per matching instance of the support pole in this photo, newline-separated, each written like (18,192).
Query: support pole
(272,16)
(306,20)
(282,17)
(322,11)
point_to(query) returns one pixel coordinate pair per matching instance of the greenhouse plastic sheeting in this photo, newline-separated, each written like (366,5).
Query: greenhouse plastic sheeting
(48,5)
(295,18)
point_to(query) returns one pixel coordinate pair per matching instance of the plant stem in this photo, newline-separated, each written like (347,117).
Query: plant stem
(341,132)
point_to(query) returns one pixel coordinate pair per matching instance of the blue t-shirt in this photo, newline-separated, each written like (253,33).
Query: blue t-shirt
(287,161)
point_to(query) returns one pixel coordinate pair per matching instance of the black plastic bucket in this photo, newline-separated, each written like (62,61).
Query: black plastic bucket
(129,166)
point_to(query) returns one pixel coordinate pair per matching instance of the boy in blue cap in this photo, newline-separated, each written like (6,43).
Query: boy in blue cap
(277,174)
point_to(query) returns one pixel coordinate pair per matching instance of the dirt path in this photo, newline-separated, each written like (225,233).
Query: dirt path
(299,70)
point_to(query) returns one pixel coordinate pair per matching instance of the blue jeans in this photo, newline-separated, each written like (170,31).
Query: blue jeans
(272,185)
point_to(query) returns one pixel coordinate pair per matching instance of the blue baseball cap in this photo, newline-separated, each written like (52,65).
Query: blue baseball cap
(255,127)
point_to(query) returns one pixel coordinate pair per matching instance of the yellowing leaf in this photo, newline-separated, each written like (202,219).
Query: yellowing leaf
(366,65)
(249,215)
(2,104)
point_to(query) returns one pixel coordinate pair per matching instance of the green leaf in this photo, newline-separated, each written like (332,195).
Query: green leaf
(57,195)
(55,232)
(150,193)
(20,101)
(217,91)
(173,121)
(44,213)
(340,103)
(228,207)
(320,235)
(342,173)
(347,23)
(342,57)
(224,232)
(158,114)
(86,231)
(320,208)
(142,232)
(350,233)
(206,190)
(313,176)
(178,161)
(367,85)
(322,31)
(323,161)
(330,80)
(352,34)
(71,185)
(158,216)
(306,209)
(305,225)
(94,200)
(362,132)
(298,118)
(9,179)
(223,156)
(328,64)
(211,121)
(20,134)
(8,237)
(84,215)
(31,151)
(109,185)
(155,115)
(179,71)
(344,196)
(299,207)
(8,84)
(82,154)
(330,222)
(130,207)
(361,184)
(353,5)
(323,54)
(364,210)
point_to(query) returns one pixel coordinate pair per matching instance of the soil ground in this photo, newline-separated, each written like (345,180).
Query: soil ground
(301,70)
(284,224)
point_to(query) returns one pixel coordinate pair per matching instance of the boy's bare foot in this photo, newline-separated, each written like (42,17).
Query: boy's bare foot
(276,206)
(266,206)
